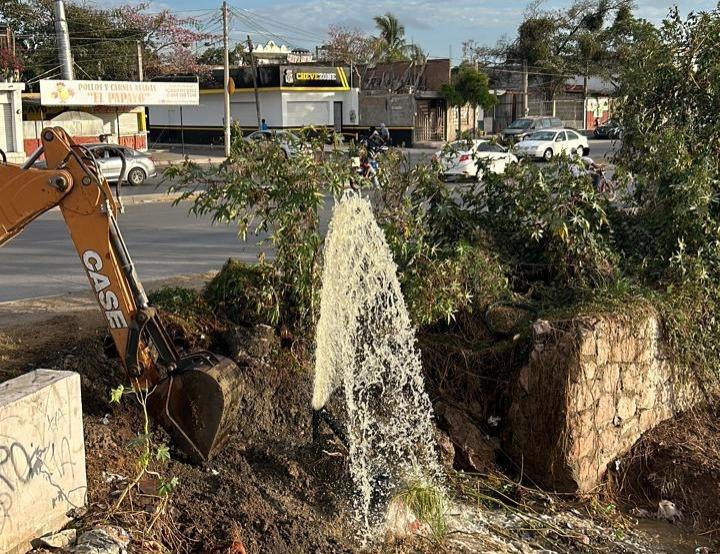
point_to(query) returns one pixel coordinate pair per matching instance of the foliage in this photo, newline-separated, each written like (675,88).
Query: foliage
(10,63)
(348,45)
(149,454)
(670,154)
(590,37)
(265,192)
(104,40)
(214,55)
(245,293)
(468,87)
(552,216)
(391,45)
(444,267)
(671,145)
(427,502)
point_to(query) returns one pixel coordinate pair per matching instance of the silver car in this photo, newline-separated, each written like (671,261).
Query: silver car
(139,165)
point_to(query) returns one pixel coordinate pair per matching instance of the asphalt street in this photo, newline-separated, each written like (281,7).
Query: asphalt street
(163,240)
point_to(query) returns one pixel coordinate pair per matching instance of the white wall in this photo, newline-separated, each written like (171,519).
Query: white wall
(11,94)
(279,109)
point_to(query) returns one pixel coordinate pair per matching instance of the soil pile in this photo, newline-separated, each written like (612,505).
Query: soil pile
(678,461)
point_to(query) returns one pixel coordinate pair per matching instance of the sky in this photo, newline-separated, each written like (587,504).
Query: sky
(438,26)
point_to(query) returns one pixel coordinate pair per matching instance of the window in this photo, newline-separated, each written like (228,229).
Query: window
(521,124)
(561,136)
(572,135)
(489,147)
(542,136)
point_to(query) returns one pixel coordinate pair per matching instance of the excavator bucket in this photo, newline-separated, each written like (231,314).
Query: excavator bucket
(197,404)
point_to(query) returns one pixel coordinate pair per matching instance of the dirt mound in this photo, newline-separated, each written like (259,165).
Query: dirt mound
(678,461)
(271,488)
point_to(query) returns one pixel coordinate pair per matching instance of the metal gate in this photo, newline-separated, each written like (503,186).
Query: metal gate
(429,122)
(7,137)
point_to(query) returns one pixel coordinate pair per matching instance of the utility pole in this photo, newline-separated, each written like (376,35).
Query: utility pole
(226,87)
(141,76)
(255,85)
(526,99)
(585,95)
(63,42)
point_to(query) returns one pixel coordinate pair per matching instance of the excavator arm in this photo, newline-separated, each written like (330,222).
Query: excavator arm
(193,396)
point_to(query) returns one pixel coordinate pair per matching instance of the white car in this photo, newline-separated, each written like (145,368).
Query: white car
(549,143)
(465,159)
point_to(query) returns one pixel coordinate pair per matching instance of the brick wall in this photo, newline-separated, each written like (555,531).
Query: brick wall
(591,388)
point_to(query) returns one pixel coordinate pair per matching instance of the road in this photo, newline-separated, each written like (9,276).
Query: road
(163,240)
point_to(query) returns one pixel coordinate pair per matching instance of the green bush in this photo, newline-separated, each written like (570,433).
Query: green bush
(266,192)
(244,293)
(550,215)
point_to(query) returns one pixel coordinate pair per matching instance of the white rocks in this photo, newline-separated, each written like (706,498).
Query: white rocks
(61,539)
(105,539)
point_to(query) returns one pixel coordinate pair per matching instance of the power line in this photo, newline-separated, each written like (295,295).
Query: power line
(296,30)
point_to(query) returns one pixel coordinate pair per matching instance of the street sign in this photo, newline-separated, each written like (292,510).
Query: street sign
(118,93)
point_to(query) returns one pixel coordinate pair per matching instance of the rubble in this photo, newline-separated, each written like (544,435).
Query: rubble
(256,342)
(473,450)
(105,539)
(61,539)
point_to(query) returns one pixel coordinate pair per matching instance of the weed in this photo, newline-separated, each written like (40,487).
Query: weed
(427,502)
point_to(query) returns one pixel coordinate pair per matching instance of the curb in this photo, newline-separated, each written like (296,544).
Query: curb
(158,197)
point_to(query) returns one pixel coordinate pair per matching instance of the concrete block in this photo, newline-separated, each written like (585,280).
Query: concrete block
(42,456)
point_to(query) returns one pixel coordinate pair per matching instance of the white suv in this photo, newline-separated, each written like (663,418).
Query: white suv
(549,143)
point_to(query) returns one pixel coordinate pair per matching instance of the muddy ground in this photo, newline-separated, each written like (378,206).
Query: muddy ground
(273,489)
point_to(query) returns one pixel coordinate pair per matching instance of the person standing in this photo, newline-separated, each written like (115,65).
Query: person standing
(385,133)
(264,125)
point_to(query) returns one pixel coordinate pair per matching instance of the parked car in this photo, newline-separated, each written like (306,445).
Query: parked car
(463,159)
(608,130)
(139,166)
(290,143)
(525,126)
(553,142)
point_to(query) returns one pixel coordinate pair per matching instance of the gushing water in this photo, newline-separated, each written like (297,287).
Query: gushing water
(366,345)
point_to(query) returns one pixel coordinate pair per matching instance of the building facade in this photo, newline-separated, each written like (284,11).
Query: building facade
(11,125)
(290,97)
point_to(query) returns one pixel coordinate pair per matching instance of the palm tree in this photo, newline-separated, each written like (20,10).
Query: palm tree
(391,45)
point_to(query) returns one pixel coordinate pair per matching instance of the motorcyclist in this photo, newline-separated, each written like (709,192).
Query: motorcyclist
(384,133)
(596,171)
(375,140)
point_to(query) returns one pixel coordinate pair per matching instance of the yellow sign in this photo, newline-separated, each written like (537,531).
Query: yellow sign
(308,76)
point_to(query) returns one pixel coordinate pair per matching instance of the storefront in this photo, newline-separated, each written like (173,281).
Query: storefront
(290,97)
(95,111)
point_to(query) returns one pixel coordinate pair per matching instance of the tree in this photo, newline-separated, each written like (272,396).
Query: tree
(103,41)
(468,87)
(349,45)
(585,39)
(390,44)
(214,56)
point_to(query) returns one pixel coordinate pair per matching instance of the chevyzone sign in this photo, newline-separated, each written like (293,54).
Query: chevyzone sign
(118,93)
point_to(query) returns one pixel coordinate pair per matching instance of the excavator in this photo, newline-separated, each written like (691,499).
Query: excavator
(195,396)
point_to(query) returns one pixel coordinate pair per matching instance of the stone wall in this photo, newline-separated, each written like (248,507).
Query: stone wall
(591,388)
(42,455)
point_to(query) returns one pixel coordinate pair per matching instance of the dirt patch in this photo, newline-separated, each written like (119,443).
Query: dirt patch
(271,487)
(679,461)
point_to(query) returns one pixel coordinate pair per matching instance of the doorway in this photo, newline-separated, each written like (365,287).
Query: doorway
(338,116)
